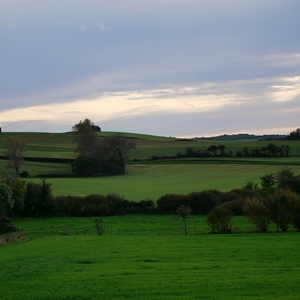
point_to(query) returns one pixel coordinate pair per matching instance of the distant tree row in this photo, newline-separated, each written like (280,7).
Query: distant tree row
(220,150)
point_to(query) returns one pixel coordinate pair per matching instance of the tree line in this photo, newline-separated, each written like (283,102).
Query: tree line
(270,150)
(276,199)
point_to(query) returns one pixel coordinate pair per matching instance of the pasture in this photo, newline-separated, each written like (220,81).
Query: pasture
(152,181)
(141,262)
(147,256)
(59,145)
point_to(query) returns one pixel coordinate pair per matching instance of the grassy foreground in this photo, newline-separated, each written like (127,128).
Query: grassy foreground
(148,265)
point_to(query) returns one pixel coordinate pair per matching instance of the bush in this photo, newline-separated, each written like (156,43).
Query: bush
(6,199)
(6,226)
(99,226)
(235,206)
(168,203)
(38,200)
(96,205)
(219,220)
(281,207)
(204,201)
(257,212)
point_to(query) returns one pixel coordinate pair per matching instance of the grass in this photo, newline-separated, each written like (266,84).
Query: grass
(153,181)
(59,145)
(147,265)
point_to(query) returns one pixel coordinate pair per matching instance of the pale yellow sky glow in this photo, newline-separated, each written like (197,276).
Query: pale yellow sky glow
(109,106)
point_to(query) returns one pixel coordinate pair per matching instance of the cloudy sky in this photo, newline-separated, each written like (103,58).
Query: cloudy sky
(180,68)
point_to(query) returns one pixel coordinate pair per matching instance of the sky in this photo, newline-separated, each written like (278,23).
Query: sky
(182,68)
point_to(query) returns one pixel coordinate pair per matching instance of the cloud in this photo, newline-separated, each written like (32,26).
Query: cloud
(258,102)
(104,27)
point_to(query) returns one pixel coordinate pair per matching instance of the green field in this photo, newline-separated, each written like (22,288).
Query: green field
(147,256)
(153,181)
(59,145)
(142,262)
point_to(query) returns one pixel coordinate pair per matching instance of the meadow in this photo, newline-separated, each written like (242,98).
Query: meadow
(147,258)
(152,179)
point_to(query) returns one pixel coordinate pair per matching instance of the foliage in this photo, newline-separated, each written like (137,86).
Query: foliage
(184,212)
(250,185)
(102,156)
(6,199)
(85,137)
(257,212)
(294,135)
(219,220)
(281,206)
(99,226)
(38,199)
(6,226)
(268,181)
(84,166)
(14,153)
(17,187)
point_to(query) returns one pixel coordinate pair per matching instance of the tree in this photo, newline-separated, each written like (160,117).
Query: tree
(109,154)
(6,200)
(281,207)
(294,135)
(17,187)
(222,149)
(219,220)
(213,149)
(84,166)
(38,200)
(268,181)
(85,137)
(118,148)
(257,212)
(14,153)
(272,149)
(286,149)
(184,212)
(250,185)
(285,178)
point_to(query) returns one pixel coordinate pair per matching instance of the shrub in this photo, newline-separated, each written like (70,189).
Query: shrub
(184,212)
(24,174)
(38,200)
(296,213)
(6,226)
(235,206)
(204,201)
(6,199)
(281,207)
(99,226)
(84,166)
(256,212)
(219,220)
(168,203)
(96,205)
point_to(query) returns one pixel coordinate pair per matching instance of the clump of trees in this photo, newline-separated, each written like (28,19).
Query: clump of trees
(99,156)
(294,135)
